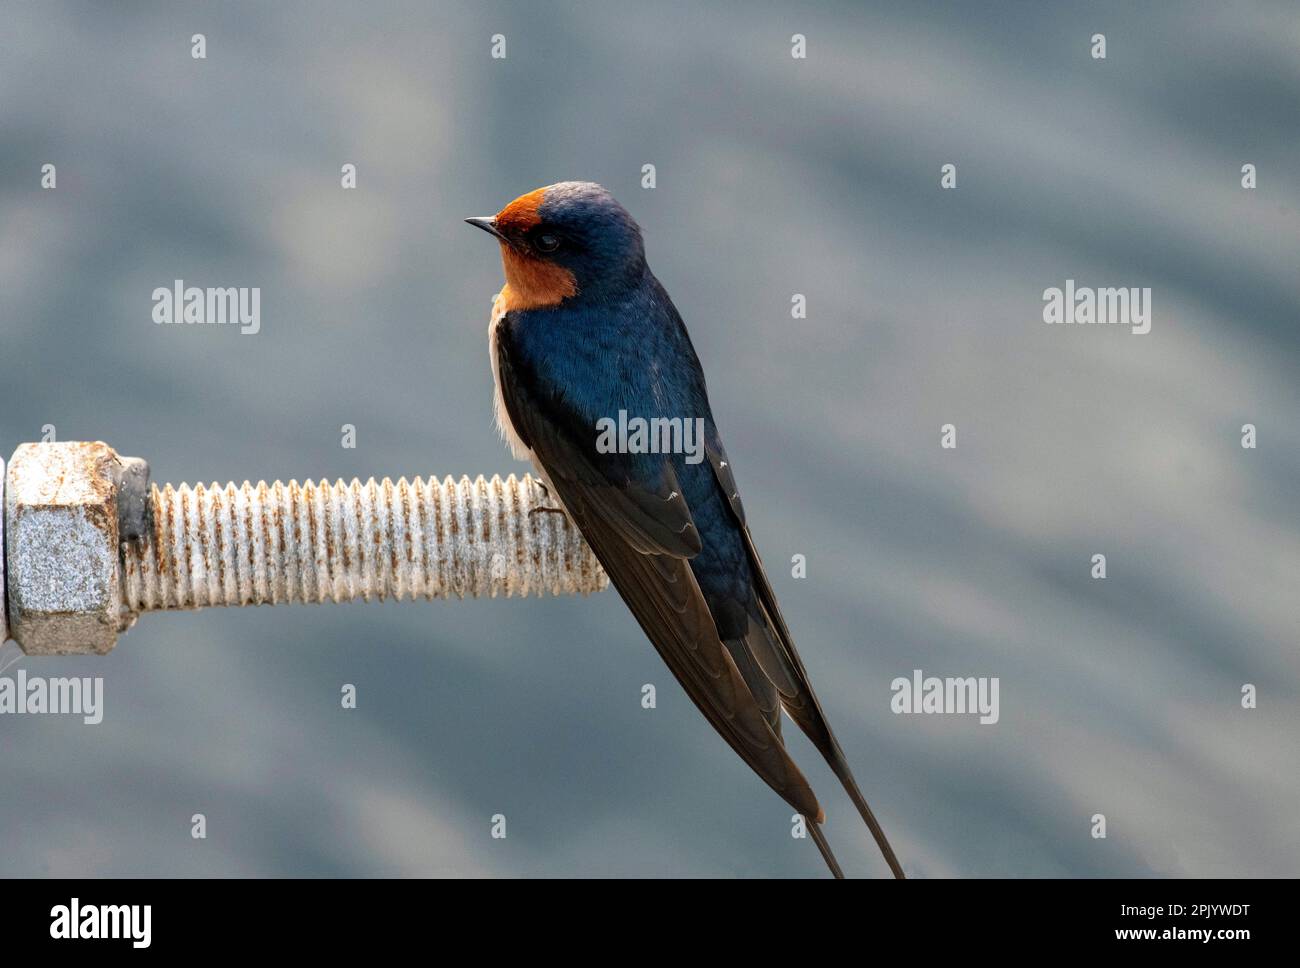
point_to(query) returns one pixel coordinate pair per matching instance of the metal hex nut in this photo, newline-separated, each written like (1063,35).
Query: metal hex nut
(63,563)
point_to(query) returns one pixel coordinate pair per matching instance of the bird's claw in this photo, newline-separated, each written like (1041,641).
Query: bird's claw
(543,509)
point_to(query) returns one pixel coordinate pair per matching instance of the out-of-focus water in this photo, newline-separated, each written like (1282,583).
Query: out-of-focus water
(774,176)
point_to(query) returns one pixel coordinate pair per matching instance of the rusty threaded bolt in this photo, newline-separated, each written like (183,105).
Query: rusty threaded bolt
(90,544)
(270,544)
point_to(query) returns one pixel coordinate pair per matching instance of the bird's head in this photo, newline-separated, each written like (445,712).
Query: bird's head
(566,241)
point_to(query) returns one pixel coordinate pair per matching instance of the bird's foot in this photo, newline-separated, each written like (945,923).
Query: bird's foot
(543,509)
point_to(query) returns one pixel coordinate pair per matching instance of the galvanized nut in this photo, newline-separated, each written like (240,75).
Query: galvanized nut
(63,568)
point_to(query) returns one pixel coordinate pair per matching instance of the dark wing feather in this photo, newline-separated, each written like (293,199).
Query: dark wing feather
(643,536)
(649,520)
(770,643)
(773,650)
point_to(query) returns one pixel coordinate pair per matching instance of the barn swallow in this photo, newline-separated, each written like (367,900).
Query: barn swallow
(583,332)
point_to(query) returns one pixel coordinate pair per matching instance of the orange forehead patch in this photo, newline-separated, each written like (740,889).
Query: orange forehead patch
(521,214)
(531,283)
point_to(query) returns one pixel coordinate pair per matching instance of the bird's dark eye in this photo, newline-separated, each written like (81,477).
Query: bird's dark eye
(546,242)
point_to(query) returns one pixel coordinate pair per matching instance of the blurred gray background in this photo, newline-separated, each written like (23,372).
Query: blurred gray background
(775,176)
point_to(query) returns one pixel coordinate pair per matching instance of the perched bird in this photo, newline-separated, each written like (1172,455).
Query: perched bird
(580,331)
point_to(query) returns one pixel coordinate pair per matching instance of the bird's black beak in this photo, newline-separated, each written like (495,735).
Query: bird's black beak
(487,224)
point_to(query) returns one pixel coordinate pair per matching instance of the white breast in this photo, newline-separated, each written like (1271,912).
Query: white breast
(507,429)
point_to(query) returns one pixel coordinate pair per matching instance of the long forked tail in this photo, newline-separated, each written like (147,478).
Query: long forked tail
(841,768)
(819,839)
(776,654)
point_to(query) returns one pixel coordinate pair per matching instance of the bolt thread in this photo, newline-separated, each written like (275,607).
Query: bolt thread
(271,544)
